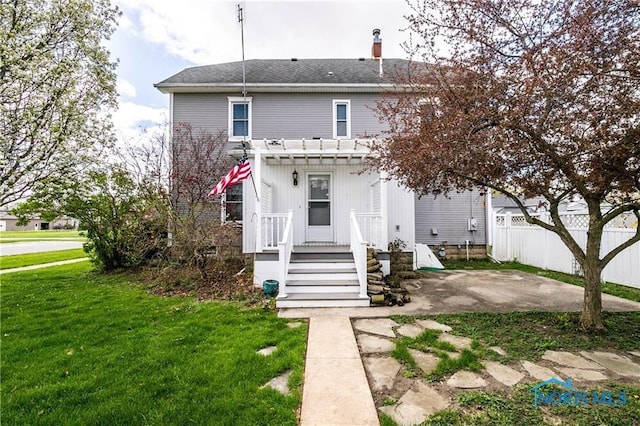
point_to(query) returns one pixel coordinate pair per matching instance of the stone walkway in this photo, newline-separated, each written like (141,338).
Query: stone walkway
(417,399)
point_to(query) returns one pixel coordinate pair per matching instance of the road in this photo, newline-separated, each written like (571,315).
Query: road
(37,246)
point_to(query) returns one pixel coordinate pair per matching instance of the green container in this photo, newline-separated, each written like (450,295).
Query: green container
(270,287)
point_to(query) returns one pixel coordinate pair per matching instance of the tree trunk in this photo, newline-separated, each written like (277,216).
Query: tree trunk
(592,309)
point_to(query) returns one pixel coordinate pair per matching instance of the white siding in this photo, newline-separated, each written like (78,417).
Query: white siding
(400,214)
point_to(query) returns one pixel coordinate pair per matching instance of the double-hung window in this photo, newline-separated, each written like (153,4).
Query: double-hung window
(232,205)
(239,118)
(341,119)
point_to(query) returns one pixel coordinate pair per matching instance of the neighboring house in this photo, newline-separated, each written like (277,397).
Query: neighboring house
(9,222)
(311,207)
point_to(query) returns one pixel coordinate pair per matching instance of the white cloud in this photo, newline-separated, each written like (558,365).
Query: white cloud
(204,32)
(133,121)
(125,89)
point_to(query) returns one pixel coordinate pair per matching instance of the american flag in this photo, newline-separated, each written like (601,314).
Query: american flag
(240,172)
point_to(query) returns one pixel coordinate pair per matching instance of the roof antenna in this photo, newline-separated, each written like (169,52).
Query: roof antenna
(241,21)
(244,95)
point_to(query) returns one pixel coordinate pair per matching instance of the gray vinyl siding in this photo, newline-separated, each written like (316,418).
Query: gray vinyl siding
(206,112)
(449,216)
(276,116)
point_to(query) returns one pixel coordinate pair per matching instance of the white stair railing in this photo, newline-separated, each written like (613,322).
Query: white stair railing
(272,229)
(285,247)
(371,229)
(359,251)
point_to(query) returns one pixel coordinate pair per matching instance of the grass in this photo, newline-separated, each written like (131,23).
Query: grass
(82,348)
(16,236)
(525,336)
(19,260)
(630,293)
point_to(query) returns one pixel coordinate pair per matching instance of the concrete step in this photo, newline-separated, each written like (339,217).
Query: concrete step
(324,300)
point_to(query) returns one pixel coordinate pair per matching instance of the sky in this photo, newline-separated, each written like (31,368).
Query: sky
(158,38)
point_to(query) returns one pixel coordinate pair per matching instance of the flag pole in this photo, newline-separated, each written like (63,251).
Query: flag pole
(244,94)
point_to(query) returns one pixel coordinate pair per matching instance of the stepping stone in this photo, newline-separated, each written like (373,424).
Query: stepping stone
(458,342)
(426,362)
(505,375)
(635,353)
(296,324)
(267,351)
(383,372)
(580,374)
(373,344)
(415,405)
(466,380)
(538,372)
(568,359)
(409,330)
(433,325)
(380,326)
(498,350)
(618,364)
(280,383)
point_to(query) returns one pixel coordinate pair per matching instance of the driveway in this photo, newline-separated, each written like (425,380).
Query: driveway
(37,246)
(478,291)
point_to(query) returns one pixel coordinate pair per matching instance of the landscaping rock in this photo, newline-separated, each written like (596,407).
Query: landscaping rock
(383,372)
(416,405)
(635,353)
(294,324)
(280,383)
(426,362)
(466,380)
(580,374)
(568,359)
(380,326)
(498,350)
(505,375)
(409,330)
(433,325)
(459,342)
(267,351)
(618,364)
(538,372)
(373,344)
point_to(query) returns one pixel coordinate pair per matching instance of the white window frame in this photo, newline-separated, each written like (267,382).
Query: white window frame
(223,206)
(233,100)
(337,102)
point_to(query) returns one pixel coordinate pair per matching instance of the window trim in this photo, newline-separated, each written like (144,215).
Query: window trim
(223,205)
(337,102)
(234,100)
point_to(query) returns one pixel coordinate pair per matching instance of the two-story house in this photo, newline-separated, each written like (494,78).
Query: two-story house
(312,208)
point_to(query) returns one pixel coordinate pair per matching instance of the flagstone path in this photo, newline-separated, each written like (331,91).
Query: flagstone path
(416,399)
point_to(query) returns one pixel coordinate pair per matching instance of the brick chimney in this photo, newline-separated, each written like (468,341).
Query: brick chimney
(376,49)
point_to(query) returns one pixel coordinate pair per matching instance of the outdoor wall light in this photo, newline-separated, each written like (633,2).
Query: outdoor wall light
(295,177)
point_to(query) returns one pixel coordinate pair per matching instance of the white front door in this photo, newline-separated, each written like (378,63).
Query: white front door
(319,208)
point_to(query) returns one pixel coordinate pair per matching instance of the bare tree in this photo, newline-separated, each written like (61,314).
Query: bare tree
(529,99)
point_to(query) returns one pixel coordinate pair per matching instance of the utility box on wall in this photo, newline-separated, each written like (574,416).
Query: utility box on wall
(472,224)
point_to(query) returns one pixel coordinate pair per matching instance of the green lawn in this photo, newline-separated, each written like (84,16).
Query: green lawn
(15,236)
(82,348)
(19,260)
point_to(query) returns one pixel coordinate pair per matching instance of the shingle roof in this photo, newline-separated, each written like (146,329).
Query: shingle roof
(289,72)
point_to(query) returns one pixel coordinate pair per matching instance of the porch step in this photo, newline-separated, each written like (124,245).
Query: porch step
(322,267)
(322,287)
(317,276)
(324,300)
(326,257)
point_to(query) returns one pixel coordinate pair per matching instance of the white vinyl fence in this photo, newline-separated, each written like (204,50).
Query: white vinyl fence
(515,239)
